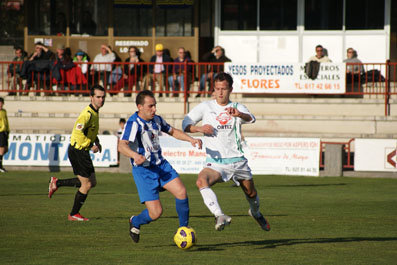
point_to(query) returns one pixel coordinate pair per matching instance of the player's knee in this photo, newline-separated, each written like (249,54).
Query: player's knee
(182,193)
(155,213)
(251,193)
(201,183)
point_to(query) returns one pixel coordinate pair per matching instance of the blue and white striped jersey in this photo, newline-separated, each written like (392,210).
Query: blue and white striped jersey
(143,137)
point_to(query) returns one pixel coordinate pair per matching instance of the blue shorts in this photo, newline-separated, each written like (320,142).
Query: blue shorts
(150,180)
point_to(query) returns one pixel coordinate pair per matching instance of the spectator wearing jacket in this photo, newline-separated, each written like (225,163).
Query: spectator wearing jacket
(14,70)
(217,55)
(78,76)
(177,79)
(133,71)
(158,72)
(40,72)
(65,65)
(354,69)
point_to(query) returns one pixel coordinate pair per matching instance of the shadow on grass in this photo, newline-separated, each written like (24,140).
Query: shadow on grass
(307,185)
(62,194)
(289,242)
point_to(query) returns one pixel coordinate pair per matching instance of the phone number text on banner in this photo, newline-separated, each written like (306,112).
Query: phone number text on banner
(51,150)
(286,78)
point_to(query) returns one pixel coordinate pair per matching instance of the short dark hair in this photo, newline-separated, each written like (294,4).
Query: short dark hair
(222,76)
(122,120)
(140,98)
(1,100)
(96,87)
(319,46)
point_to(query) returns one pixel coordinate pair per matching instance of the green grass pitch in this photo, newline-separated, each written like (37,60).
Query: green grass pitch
(313,220)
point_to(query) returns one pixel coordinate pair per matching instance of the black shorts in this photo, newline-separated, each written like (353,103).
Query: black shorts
(3,139)
(81,162)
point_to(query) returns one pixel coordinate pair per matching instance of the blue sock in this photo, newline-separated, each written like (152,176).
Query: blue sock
(182,208)
(141,219)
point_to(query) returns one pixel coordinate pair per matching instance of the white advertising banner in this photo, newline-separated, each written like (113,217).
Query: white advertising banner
(183,157)
(51,150)
(280,156)
(375,155)
(288,78)
(284,156)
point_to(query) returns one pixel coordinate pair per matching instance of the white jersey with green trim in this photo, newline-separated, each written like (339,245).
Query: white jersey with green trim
(225,144)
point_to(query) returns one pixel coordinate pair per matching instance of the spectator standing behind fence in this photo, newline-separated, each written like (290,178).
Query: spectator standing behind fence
(217,55)
(4,133)
(79,73)
(177,79)
(14,70)
(65,64)
(41,69)
(132,71)
(353,72)
(102,71)
(357,68)
(320,56)
(158,71)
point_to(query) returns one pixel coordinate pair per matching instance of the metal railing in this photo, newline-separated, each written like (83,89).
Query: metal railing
(347,159)
(367,79)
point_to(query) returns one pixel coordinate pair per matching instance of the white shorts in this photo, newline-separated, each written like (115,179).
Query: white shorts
(234,171)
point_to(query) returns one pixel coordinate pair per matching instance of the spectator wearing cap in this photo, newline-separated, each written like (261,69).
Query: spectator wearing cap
(103,70)
(78,76)
(81,59)
(158,71)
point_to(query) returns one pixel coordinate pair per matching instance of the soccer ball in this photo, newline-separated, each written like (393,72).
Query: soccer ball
(185,237)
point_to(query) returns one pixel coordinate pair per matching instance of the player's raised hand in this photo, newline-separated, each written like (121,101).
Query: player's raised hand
(197,143)
(207,129)
(233,111)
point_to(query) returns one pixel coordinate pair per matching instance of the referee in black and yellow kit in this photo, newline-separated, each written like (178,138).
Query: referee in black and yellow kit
(83,139)
(4,132)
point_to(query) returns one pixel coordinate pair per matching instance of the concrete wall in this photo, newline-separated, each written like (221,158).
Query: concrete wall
(326,118)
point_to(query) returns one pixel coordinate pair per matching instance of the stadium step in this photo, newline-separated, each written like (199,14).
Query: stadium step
(326,118)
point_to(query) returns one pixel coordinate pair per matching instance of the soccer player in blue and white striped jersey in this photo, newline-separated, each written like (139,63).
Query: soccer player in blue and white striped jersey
(152,173)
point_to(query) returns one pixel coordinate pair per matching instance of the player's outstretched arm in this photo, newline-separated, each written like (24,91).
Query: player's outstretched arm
(126,150)
(178,134)
(236,113)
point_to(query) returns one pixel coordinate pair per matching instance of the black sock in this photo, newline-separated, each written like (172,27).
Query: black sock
(1,161)
(74,182)
(79,200)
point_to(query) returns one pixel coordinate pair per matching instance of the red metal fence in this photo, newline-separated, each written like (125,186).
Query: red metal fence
(368,79)
(347,158)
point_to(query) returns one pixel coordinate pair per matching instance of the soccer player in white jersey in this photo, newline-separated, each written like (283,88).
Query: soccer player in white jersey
(152,173)
(221,122)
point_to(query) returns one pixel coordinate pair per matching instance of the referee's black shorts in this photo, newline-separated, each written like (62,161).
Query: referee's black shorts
(81,162)
(3,139)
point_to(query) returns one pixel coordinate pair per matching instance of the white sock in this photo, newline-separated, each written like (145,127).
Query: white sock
(211,201)
(254,205)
